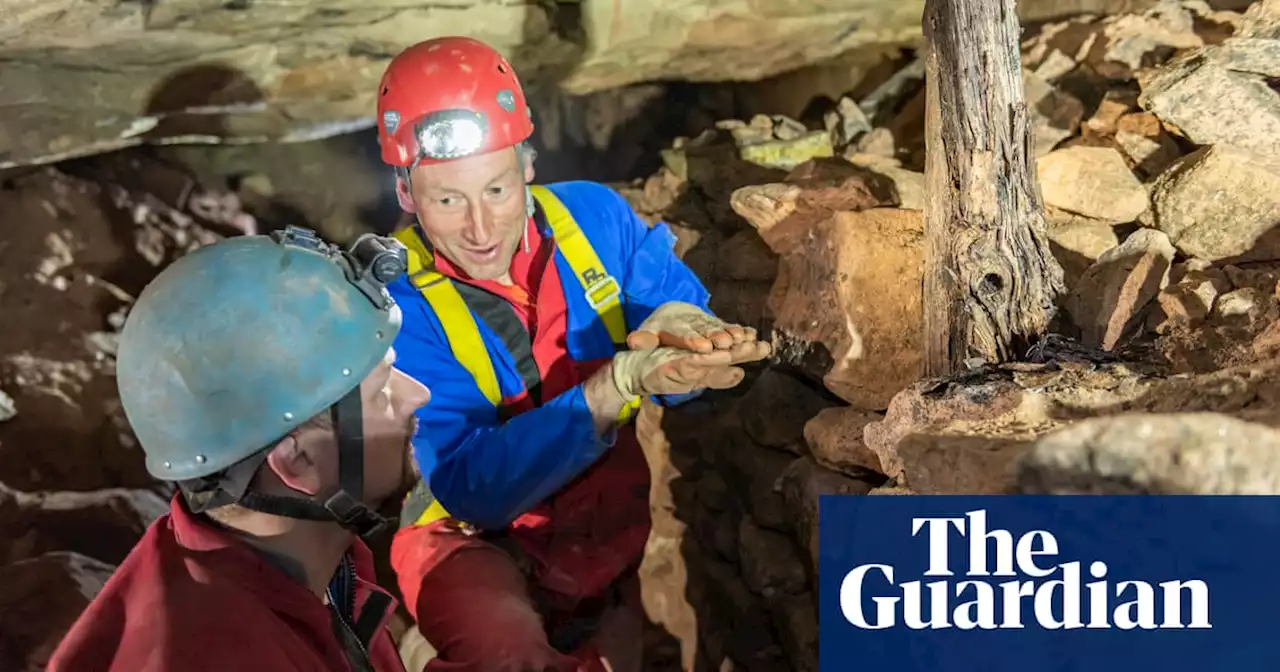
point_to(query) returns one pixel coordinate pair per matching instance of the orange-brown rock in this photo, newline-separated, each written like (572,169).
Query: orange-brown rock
(834,437)
(846,303)
(1108,301)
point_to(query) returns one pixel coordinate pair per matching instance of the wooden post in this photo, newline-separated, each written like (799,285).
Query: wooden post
(990,278)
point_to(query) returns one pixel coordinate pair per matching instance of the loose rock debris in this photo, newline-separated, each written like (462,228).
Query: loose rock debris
(1161,375)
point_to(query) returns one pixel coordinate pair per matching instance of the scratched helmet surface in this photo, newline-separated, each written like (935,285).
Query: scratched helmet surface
(234,345)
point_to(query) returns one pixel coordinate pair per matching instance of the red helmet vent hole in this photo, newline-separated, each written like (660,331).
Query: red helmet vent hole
(502,68)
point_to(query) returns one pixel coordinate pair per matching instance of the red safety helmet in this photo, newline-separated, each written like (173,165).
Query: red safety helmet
(447,98)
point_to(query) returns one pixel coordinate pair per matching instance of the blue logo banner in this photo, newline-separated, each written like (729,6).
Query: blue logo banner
(1047,583)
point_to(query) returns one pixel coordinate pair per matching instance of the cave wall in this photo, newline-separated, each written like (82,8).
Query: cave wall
(86,77)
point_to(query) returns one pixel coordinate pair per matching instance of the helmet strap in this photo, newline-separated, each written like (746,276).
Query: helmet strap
(343,506)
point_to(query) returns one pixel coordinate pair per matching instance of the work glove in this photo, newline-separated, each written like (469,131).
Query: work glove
(662,371)
(681,325)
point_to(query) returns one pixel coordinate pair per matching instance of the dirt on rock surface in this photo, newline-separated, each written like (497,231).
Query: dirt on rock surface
(1158,376)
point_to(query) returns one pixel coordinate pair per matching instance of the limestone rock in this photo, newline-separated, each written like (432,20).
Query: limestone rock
(1077,242)
(860,333)
(1221,203)
(1219,95)
(846,122)
(868,320)
(43,596)
(294,72)
(1176,453)
(908,183)
(101,524)
(967,435)
(1115,104)
(1055,115)
(1191,299)
(868,346)
(776,408)
(1109,299)
(1114,47)
(803,483)
(8,408)
(785,154)
(751,471)
(834,437)
(82,252)
(1239,327)
(878,142)
(1091,181)
(925,406)
(1170,24)
(1261,20)
(744,256)
(1149,151)
(769,562)
(795,617)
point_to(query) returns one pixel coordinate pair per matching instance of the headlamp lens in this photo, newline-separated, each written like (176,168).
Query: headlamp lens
(450,138)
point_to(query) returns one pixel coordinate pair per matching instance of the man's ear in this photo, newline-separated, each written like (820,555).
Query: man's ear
(293,466)
(528,166)
(403,195)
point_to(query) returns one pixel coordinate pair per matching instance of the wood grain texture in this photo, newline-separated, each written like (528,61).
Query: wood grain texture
(990,279)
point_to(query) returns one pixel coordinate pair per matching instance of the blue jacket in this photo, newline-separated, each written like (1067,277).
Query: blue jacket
(489,473)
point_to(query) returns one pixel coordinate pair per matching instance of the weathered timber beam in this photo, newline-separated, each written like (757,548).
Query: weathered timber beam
(990,279)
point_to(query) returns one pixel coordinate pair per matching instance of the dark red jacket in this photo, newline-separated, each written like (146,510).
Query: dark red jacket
(191,597)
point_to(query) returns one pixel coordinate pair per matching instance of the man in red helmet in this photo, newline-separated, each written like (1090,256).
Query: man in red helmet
(542,315)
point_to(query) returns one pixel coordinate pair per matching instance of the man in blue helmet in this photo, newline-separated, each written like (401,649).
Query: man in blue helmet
(258,377)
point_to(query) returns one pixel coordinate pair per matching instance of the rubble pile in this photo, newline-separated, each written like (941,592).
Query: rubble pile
(1161,202)
(1155,136)
(74,495)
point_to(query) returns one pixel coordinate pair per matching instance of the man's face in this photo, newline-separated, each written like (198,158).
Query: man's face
(473,210)
(389,400)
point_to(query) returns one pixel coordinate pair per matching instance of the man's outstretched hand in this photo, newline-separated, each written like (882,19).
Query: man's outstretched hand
(672,371)
(684,326)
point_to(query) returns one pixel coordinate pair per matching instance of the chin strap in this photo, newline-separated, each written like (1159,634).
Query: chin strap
(344,505)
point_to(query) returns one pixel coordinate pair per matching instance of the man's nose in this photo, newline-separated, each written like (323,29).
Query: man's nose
(478,228)
(410,392)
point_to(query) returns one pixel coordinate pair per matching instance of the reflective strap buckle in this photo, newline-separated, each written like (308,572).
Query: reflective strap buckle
(602,291)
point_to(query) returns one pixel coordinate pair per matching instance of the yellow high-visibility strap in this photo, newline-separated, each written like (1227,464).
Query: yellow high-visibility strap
(458,322)
(602,291)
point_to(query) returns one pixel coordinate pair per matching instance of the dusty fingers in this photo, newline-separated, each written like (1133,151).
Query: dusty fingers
(687,327)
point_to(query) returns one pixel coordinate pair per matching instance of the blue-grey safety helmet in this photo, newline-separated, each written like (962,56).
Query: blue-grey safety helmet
(235,345)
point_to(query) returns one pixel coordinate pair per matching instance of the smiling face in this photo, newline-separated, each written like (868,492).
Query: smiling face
(473,210)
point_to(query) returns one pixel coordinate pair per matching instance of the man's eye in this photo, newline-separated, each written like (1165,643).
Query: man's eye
(497,191)
(447,201)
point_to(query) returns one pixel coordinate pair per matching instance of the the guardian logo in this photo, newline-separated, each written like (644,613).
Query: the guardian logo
(1051,593)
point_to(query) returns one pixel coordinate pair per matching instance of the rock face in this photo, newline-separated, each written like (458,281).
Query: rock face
(1147,453)
(256,71)
(1093,182)
(1222,203)
(847,300)
(43,597)
(1219,95)
(971,435)
(1107,303)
